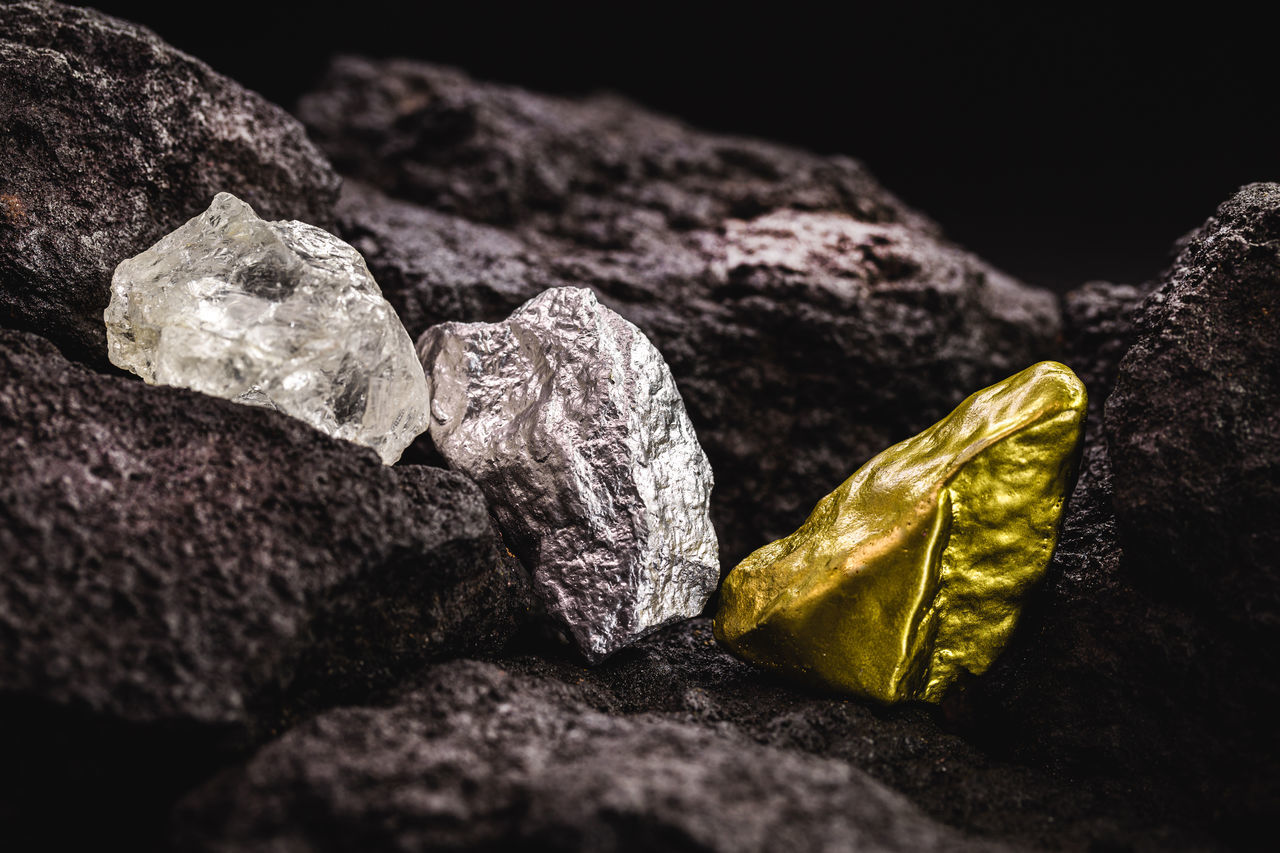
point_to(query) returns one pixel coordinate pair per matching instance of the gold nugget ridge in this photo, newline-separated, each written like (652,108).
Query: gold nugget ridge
(915,569)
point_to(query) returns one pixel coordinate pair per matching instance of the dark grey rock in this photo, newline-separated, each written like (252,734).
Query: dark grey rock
(923,752)
(601,171)
(473,756)
(182,576)
(1097,329)
(1148,657)
(809,318)
(112,138)
(485,760)
(1194,422)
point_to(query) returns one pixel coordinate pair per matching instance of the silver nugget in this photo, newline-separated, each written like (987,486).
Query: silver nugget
(570,421)
(276,314)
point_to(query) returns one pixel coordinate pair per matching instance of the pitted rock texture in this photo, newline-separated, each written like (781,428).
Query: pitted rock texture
(484,760)
(601,170)
(464,744)
(1194,422)
(682,674)
(276,314)
(809,318)
(568,419)
(1097,330)
(1118,675)
(183,575)
(111,139)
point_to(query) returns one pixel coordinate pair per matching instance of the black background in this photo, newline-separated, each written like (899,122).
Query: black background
(1062,145)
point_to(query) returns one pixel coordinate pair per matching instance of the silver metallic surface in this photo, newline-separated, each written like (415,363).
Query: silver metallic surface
(568,418)
(276,314)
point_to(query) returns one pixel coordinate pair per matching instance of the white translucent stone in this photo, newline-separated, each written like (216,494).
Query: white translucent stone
(276,314)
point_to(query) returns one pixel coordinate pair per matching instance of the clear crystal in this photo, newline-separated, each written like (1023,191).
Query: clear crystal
(276,314)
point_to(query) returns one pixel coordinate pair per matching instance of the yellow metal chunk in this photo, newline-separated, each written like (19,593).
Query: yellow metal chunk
(916,567)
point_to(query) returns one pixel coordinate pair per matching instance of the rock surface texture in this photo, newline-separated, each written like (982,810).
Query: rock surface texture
(913,572)
(569,420)
(182,575)
(276,314)
(1194,422)
(1150,653)
(111,139)
(483,759)
(809,318)
(679,686)
(184,581)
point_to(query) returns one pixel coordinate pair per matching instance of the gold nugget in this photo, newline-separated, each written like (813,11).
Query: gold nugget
(916,567)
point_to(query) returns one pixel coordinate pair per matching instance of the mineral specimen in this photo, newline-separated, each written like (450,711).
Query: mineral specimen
(915,568)
(277,314)
(568,418)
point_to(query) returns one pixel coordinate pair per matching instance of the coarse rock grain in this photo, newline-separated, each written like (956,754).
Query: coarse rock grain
(182,576)
(483,759)
(111,139)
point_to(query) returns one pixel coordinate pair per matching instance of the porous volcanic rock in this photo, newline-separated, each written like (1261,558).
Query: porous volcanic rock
(682,674)
(476,756)
(112,138)
(183,575)
(602,169)
(1194,422)
(1097,329)
(1147,659)
(809,318)
(485,760)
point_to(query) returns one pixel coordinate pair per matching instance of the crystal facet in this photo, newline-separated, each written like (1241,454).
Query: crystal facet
(916,567)
(275,314)
(568,418)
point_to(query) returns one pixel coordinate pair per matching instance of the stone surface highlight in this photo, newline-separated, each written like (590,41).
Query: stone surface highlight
(914,570)
(110,137)
(275,314)
(568,418)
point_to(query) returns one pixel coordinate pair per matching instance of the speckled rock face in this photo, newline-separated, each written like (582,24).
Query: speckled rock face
(569,420)
(1145,658)
(1194,423)
(483,759)
(276,314)
(809,317)
(183,575)
(111,139)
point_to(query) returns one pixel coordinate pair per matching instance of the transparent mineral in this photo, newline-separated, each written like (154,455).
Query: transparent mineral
(275,314)
(568,418)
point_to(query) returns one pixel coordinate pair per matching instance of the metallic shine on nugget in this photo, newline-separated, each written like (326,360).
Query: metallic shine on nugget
(915,569)
(569,420)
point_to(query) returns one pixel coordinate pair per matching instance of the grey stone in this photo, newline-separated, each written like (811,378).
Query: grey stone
(276,314)
(1194,422)
(809,318)
(600,170)
(111,138)
(481,759)
(183,576)
(1148,656)
(569,420)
